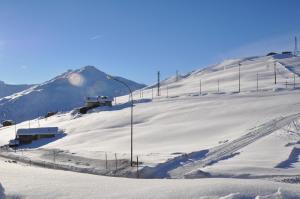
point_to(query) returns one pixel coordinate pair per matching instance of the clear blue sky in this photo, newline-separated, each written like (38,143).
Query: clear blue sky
(134,39)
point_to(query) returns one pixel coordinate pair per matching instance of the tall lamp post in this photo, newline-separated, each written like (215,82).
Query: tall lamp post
(131,117)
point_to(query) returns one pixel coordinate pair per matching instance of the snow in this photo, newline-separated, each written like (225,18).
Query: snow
(62,93)
(39,183)
(8,89)
(239,144)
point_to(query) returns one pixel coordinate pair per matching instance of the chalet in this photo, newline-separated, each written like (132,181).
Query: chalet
(26,136)
(8,123)
(49,114)
(92,102)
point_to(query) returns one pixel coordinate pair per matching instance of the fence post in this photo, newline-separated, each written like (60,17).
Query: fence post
(116,161)
(294,81)
(256,82)
(152,93)
(200,87)
(54,156)
(106,160)
(137,167)
(167,91)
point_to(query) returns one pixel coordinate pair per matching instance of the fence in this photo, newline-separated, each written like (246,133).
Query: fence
(112,164)
(202,85)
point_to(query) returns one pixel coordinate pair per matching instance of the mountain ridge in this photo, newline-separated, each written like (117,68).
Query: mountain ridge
(62,93)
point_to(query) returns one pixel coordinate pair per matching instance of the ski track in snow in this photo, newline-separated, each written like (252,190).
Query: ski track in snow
(229,149)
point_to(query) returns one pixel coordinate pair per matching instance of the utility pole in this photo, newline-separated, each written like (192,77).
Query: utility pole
(158,83)
(177,75)
(15,130)
(275,78)
(296,47)
(240,77)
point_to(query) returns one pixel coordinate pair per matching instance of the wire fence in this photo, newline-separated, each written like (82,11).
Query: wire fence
(109,164)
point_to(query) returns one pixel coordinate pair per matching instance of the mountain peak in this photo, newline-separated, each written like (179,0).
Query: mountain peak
(89,68)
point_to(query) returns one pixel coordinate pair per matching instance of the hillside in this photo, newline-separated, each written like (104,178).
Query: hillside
(215,133)
(62,93)
(9,89)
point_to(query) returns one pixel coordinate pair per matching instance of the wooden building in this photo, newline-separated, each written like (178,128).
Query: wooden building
(98,101)
(26,136)
(8,123)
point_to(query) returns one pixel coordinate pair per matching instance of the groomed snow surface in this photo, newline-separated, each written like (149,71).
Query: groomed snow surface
(233,144)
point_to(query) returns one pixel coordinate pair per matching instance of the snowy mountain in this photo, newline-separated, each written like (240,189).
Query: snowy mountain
(62,93)
(8,89)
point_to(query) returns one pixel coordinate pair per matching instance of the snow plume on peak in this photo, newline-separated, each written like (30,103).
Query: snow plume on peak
(76,79)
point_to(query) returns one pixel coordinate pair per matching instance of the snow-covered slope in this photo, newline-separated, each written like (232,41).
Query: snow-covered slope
(22,181)
(62,93)
(8,89)
(184,133)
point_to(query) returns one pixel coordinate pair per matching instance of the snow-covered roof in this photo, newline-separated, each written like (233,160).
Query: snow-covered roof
(38,131)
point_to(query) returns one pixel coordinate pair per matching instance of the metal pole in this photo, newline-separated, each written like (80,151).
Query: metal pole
(131,117)
(218,86)
(131,139)
(239,77)
(158,83)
